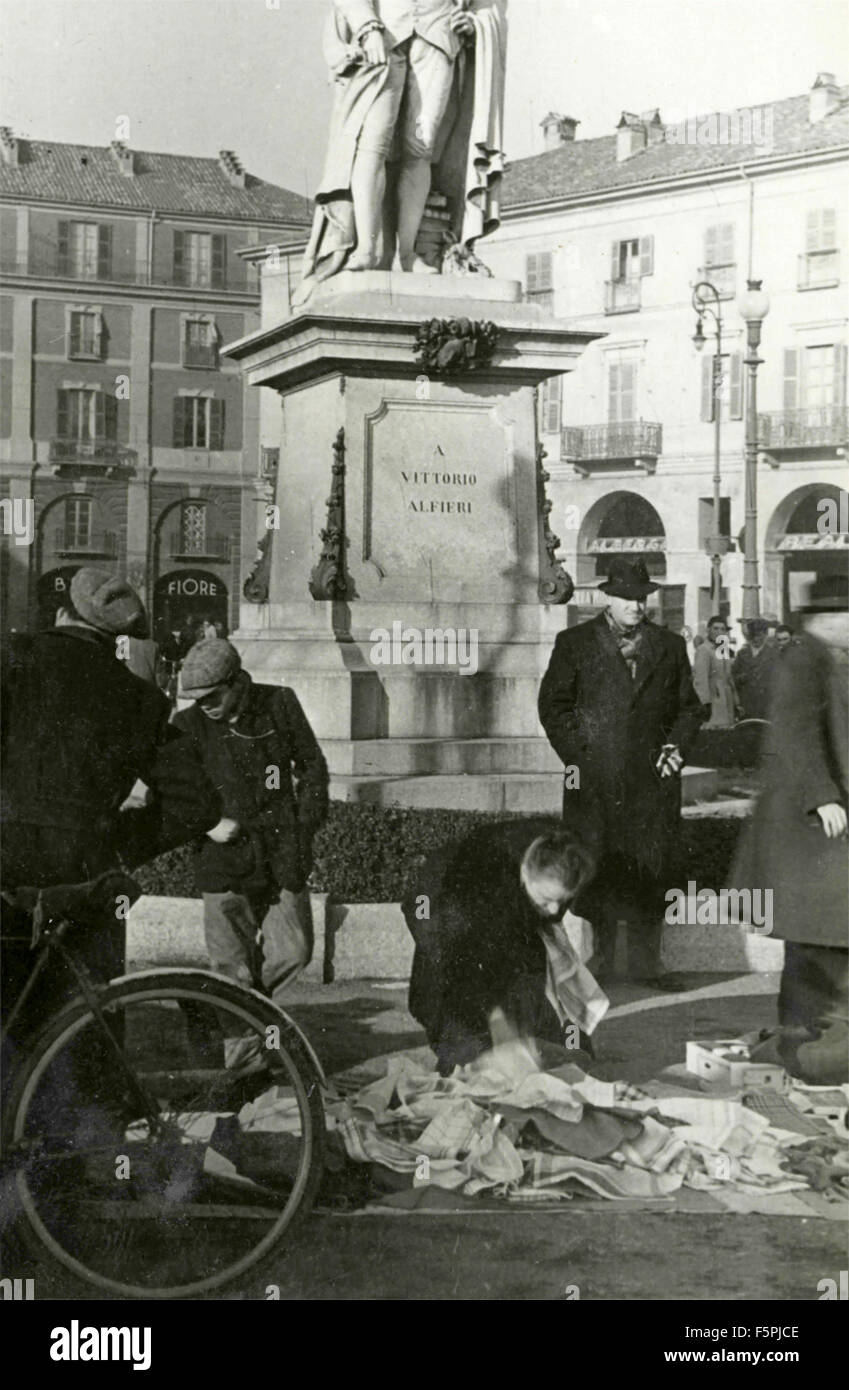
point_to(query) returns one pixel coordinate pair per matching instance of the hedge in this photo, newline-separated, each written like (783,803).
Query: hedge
(364,853)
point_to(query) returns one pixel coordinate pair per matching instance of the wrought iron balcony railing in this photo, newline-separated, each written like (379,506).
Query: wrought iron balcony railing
(205,548)
(817,427)
(819,270)
(636,439)
(47,265)
(104,451)
(66,542)
(622,296)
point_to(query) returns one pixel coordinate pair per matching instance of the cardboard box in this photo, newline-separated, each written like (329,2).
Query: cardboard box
(727,1060)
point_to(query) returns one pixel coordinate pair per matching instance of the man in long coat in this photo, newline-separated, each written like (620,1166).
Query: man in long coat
(754,670)
(618,705)
(796,843)
(712,678)
(480,913)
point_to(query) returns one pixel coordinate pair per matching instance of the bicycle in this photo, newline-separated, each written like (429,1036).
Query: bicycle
(133,1156)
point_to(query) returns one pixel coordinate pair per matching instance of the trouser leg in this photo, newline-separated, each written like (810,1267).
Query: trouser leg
(230,928)
(287,940)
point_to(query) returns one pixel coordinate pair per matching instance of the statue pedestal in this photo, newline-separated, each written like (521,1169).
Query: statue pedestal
(419,671)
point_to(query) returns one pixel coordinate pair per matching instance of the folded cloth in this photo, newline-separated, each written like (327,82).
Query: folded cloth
(605,1179)
(596,1134)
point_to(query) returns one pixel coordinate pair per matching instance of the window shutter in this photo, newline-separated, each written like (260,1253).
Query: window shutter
(63,253)
(613,392)
(74,336)
(110,417)
(63,415)
(840,374)
(219,261)
(710,247)
(98,334)
(552,397)
(735,400)
(614,260)
(100,415)
(726,243)
(104,253)
(646,255)
(791,379)
(828,232)
(546,276)
(707,389)
(179,258)
(182,421)
(531,276)
(216,424)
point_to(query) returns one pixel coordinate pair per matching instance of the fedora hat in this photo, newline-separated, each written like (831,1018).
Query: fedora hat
(627,577)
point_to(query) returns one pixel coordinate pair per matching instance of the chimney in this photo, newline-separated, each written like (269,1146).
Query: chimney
(232,167)
(558,130)
(630,136)
(655,129)
(123,158)
(824,97)
(9,147)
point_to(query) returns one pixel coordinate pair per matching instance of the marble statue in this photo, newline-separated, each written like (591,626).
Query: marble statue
(418,103)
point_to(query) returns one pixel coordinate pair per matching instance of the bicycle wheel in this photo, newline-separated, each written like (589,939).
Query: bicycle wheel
(167,1174)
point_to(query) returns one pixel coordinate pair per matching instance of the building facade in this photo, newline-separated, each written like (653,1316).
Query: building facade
(613,234)
(127,438)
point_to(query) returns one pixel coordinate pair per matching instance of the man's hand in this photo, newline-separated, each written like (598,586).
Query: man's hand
(139,797)
(374,47)
(833,819)
(671,760)
(225,831)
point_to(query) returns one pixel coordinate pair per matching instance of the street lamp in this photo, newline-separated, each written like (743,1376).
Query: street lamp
(753,304)
(717,544)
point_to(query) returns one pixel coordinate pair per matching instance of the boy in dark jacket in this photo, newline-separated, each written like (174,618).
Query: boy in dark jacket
(252,868)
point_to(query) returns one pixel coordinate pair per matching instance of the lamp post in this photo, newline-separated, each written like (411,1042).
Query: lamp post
(706,301)
(753,304)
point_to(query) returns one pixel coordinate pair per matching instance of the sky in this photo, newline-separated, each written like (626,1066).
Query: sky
(197,76)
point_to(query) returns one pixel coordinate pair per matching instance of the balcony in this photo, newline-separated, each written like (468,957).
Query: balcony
(818,427)
(46,265)
(195,355)
(67,542)
(622,296)
(637,441)
(819,270)
(97,455)
(214,549)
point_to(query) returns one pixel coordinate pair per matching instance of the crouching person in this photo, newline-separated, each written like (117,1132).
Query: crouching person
(256,746)
(496,944)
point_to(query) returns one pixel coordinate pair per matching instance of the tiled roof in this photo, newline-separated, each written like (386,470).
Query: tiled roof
(88,175)
(590,166)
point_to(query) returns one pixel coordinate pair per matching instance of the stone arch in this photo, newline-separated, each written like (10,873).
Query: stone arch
(799,544)
(620,515)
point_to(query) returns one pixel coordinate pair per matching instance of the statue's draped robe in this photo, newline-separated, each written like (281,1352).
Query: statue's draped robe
(469,160)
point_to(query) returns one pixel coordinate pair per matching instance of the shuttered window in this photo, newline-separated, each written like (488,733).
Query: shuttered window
(198,422)
(199,259)
(814,377)
(85,415)
(632,258)
(622,392)
(85,333)
(730,387)
(821,230)
(539,278)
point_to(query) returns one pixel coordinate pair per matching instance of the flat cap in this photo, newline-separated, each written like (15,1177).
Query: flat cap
(208,664)
(108,603)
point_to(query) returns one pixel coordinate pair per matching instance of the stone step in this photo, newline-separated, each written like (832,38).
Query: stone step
(537,793)
(422,756)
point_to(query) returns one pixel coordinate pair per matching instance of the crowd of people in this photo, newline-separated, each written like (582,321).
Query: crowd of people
(515,927)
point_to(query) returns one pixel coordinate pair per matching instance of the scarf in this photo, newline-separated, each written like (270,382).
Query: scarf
(628,642)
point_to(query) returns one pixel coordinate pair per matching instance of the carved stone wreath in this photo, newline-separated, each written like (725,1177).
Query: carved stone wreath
(444,346)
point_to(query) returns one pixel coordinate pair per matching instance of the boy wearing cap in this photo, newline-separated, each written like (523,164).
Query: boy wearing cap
(255,744)
(617,703)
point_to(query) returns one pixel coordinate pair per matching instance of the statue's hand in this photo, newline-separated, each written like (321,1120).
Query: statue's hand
(463,24)
(374,47)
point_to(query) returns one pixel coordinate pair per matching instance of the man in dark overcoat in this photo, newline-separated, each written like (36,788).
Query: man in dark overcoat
(478,911)
(618,705)
(796,843)
(79,730)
